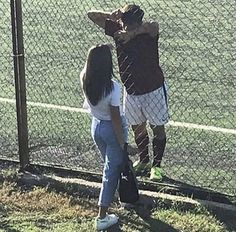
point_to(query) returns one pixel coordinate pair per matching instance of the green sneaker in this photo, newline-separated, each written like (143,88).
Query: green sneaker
(156,174)
(140,167)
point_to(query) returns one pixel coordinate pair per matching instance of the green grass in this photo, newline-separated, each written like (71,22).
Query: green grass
(197,48)
(43,209)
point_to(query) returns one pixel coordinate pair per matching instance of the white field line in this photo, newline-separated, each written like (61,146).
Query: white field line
(81,110)
(44,105)
(202,127)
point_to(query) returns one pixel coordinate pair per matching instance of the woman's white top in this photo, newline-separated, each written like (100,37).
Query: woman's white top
(102,110)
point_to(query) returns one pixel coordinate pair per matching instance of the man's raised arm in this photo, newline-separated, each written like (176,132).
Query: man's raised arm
(100,17)
(151,28)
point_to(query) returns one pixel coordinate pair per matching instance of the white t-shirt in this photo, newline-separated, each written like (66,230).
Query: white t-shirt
(102,109)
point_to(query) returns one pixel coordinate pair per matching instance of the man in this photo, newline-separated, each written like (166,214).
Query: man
(146,99)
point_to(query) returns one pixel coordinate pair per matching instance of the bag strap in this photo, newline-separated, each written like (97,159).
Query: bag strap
(125,157)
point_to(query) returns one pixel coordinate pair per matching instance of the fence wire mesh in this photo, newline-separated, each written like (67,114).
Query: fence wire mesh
(8,122)
(197,54)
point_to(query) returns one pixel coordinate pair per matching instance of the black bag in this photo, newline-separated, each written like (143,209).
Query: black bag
(128,186)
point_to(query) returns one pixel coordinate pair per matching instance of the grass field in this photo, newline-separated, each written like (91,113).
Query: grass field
(46,209)
(197,49)
(50,211)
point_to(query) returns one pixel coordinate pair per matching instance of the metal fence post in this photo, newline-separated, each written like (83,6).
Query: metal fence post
(20,86)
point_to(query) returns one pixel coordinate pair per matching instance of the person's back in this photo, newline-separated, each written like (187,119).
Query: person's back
(101,111)
(139,64)
(108,128)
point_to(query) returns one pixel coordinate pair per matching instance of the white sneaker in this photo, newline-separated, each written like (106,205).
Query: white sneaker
(106,222)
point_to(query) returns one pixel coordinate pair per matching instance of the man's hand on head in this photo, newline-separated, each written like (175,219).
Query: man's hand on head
(122,36)
(116,15)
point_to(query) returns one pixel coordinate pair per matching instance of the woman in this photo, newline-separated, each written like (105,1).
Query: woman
(109,130)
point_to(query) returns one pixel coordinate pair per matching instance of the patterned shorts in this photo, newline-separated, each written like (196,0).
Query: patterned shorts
(151,107)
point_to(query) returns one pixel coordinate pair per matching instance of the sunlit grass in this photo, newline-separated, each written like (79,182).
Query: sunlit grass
(41,209)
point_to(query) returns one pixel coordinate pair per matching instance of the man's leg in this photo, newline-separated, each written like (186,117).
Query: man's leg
(137,120)
(142,141)
(159,144)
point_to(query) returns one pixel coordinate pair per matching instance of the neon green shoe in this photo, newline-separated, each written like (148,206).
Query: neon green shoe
(156,174)
(141,168)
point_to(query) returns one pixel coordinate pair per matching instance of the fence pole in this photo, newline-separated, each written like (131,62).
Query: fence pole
(20,87)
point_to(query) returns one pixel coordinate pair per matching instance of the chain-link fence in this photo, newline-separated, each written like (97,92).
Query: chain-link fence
(197,54)
(8,122)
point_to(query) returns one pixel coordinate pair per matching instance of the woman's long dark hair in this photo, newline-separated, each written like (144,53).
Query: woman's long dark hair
(97,79)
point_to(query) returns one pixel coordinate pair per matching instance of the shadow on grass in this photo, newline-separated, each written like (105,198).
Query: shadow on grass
(152,224)
(227,218)
(143,209)
(176,187)
(8,228)
(158,225)
(4,222)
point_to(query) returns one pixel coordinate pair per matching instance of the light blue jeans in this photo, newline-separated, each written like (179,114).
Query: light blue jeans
(104,136)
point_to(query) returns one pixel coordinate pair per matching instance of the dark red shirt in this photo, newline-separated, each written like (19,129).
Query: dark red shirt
(138,61)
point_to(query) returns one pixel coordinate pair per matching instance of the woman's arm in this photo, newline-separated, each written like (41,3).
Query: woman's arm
(117,124)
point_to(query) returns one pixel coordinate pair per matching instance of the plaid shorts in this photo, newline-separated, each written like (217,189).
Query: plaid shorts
(151,107)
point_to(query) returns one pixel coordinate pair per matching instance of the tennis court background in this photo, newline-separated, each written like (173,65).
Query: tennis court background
(197,54)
